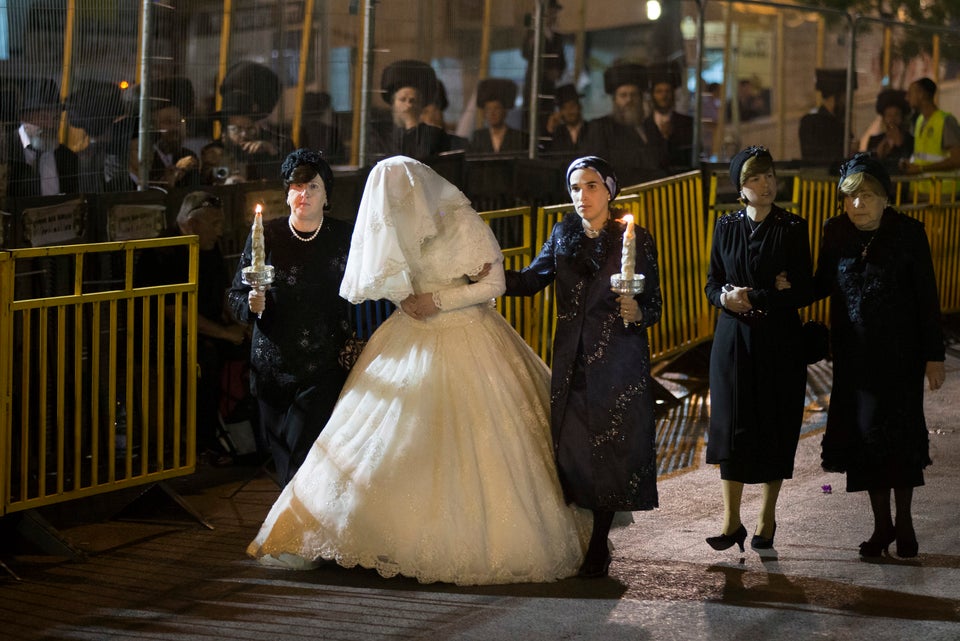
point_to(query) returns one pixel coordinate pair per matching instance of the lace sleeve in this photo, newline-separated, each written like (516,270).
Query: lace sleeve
(489,287)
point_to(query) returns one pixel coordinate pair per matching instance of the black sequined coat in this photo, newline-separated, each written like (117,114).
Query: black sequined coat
(601,397)
(757,371)
(885,327)
(297,342)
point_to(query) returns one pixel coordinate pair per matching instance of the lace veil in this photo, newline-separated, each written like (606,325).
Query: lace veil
(412,223)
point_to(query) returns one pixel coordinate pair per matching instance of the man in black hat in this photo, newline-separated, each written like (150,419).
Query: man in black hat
(553,63)
(38,164)
(407,85)
(95,106)
(670,132)
(495,97)
(566,125)
(821,132)
(432,114)
(173,165)
(619,137)
(248,148)
(316,133)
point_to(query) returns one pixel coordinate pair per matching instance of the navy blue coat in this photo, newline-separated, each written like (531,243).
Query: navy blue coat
(601,393)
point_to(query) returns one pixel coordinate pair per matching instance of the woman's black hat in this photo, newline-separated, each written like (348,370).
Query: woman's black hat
(865,163)
(737,162)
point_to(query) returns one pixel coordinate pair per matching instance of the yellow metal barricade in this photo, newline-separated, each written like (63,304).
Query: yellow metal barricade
(96,384)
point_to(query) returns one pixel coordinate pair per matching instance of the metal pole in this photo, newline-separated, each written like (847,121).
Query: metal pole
(306,34)
(366,71)
(851,76)
(225,28)
(68,37)
(144,148)
(698,92)
(534,88)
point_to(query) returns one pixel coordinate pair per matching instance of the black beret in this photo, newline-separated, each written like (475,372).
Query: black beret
(499,89)
(624,73)
(865,163)
(892,98)
(742,156)
(314,159)
(259,83)
(408,73)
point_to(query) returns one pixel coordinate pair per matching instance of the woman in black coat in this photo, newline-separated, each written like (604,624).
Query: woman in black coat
(300,322)
(875,265)
(601,398)
(757,370)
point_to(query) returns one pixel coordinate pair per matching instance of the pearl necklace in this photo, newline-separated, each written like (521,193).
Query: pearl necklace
(298,236)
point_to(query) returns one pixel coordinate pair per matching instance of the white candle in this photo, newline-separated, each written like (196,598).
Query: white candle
(256,234)
(628,257)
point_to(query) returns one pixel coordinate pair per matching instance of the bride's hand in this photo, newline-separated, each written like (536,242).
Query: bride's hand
(419,306)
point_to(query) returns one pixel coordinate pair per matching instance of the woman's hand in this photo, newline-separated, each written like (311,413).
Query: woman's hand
(481,274)
(629,309)
(257,300)
(936,373)
(419,306)
(734,299)
(781,282)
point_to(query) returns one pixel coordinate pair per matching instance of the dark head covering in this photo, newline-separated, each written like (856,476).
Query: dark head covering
(316,102)
(408,73)
(439,96)
(737,162)
(564,94)
(624,73)
(865,163)
(664,72)
(93,105)
(600,166)
(195,201)
(500,89)
(9,102)
(259,84)
(833,82)
(892,98)
(928,86)
(240,103)
(312,158)
(173,90)
(38,94)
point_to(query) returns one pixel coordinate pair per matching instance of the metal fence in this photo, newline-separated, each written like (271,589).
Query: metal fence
(97,387)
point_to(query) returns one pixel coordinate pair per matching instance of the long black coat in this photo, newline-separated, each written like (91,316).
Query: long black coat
(884,325)
(757,371)
(601,397)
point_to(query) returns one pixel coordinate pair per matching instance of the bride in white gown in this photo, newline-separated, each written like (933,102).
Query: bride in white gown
(437,462)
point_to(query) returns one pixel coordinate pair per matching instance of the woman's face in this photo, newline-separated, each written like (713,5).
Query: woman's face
(307,200)
(865,208)
(760,190)
(590,196)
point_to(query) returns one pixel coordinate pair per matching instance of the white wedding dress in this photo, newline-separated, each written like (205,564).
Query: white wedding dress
(437,462)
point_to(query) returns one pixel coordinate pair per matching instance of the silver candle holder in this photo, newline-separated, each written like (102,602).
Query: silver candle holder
(258,279)
(627,286)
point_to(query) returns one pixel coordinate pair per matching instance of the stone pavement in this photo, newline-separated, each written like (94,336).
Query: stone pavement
(172,579)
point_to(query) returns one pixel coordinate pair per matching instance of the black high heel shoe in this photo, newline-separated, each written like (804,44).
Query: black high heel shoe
(595,568)
(760,543)
(907,546)
(878,543)
(726,541)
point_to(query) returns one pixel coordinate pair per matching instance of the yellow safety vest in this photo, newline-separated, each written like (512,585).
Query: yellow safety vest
(928,149)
